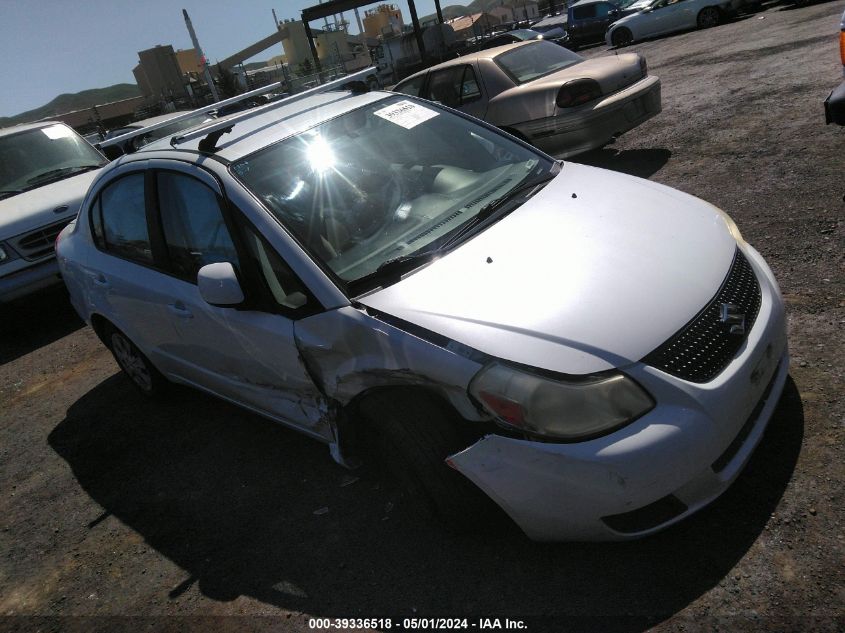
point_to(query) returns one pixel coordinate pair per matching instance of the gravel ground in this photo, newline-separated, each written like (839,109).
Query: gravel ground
(112,505)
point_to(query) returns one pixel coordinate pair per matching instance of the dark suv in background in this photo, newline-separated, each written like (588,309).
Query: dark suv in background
(588,20)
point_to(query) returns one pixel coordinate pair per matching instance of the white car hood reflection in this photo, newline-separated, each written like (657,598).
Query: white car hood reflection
(593,272)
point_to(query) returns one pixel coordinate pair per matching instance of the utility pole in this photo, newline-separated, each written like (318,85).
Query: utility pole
(201,57)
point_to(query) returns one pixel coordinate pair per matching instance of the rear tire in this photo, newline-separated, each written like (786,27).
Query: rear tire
(708,17)
(410,434)
(137,367)
(622,37)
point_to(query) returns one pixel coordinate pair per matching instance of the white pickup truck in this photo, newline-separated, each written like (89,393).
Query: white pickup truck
(45,171)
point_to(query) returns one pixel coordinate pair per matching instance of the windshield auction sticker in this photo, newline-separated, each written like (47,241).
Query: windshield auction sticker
(406,113)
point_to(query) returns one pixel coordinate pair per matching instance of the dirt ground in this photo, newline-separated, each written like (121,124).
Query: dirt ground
(114,506)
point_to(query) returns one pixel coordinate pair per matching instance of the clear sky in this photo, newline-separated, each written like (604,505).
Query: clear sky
(50,47)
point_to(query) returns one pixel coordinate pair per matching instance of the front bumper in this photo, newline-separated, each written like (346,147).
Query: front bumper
(651,474)
(30,279)
(587,128)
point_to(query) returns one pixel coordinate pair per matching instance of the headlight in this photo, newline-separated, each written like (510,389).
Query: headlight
(732,227)
(559,409)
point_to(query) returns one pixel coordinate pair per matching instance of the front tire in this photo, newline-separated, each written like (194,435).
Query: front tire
(708,17)
(410,434)
(622,37)
(137,367)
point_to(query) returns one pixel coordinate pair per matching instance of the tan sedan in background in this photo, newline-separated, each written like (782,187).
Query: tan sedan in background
(545,94)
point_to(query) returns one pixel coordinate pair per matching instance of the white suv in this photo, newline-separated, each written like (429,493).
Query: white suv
(45,170)
(596,353)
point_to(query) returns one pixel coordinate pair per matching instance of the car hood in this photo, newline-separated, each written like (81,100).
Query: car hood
(42,206)
(594,272)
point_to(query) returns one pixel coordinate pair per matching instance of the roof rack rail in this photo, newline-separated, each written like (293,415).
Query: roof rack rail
(225,124)
(121,140)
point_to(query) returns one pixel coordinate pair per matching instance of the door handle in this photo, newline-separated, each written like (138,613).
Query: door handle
(180,310)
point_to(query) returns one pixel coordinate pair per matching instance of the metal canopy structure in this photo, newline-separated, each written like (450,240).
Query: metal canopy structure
(333,7)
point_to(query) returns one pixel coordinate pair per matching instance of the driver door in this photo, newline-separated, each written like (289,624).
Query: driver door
(247,355)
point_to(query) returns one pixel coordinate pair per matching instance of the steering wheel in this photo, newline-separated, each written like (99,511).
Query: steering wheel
(375,197)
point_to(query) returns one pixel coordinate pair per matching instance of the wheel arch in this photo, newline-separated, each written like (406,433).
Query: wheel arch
(351,418)
(101,325)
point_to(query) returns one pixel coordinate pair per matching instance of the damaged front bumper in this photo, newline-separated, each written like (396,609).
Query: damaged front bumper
(651,474)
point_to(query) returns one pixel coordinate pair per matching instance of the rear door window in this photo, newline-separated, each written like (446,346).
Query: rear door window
(584,13)
(120,220)
(453,86)
(444,86)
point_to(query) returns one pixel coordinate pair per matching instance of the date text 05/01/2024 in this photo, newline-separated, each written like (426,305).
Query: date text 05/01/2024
(412,624)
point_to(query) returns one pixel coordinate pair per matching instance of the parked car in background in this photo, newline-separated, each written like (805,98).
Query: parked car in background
(545,94)
(552,27)
(45,170)
(667,16)
(139,141)
(93,137)
(596,353)
(512,37)
(587,20)
(834,105)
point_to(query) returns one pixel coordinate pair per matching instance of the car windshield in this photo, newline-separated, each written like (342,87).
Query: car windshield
(39,156)
(525,34)
(529,62)
(389,180)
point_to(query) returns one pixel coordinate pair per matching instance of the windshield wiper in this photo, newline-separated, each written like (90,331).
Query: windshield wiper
(491,207)
(401,263)
(60,173)
(10,192)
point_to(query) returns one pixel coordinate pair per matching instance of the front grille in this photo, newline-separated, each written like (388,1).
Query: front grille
(38,244)
(705,345)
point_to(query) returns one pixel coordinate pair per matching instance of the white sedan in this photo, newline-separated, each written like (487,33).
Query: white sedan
(667,16)
(597,354)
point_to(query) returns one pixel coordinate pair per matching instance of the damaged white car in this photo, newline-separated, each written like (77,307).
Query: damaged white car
(596,353)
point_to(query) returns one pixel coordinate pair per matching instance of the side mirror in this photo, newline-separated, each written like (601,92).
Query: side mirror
(218,285)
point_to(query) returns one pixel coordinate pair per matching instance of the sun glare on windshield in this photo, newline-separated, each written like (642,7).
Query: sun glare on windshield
(320,156)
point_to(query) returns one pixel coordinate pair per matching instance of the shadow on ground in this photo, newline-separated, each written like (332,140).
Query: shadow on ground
(34,321)
(636,162)
(231,499)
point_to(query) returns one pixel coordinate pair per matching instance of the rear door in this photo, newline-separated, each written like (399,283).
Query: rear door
(123,275)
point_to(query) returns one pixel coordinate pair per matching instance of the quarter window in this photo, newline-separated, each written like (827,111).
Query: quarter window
(192,221)
(469,86)
(124,220)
